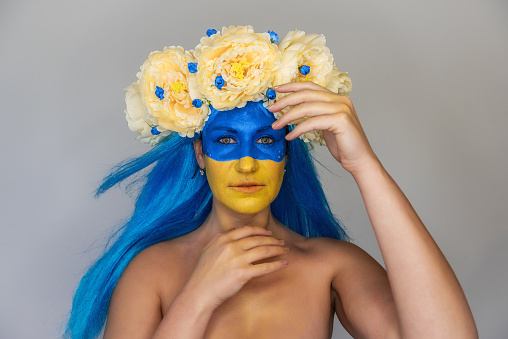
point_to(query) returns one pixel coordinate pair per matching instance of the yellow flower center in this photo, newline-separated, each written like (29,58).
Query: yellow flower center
(238,69)
(307,78)
(177,87)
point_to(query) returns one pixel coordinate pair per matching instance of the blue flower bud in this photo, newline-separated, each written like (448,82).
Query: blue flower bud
(211,32)
(193,67)
(197,103)
(270,94)
(155,131)
(304,69)
(159,92)
(273,36)
(219,82)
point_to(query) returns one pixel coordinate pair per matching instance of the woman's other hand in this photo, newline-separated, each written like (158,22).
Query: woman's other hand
(232,258)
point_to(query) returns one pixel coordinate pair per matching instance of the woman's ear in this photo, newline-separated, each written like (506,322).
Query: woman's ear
(198,151)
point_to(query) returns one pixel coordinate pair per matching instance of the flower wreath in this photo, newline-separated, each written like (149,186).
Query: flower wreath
(175,88)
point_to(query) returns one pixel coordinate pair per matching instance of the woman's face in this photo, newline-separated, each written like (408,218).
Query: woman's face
(244,158)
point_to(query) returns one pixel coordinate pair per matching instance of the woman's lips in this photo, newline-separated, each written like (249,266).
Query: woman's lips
(247,187)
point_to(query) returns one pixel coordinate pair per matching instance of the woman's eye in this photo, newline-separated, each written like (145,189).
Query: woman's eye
(265,140)
(227,140)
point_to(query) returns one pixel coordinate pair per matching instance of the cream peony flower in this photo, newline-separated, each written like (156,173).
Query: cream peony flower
(245,61)
(300,49)
(135,113)
(162,97)
(313,138)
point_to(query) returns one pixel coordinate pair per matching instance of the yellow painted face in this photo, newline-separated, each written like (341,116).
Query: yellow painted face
(245,185)
(244,157)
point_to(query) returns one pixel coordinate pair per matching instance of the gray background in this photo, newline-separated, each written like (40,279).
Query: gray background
(429,84)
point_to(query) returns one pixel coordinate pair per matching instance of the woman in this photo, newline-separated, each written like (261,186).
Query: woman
(251,249)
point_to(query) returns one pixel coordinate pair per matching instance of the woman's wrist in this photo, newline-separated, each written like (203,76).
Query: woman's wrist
(366,169)
(200,302)
(187,316)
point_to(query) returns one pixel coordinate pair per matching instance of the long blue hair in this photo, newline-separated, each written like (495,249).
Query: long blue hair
(162,212)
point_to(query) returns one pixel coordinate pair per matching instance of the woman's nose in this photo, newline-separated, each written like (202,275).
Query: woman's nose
(246,164)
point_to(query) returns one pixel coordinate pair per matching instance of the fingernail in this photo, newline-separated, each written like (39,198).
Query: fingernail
(281,242)
(271,106)
(286,249)
(275,88)
(275,123)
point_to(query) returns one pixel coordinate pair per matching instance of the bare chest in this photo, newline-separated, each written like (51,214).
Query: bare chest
(292,303)
(284,309)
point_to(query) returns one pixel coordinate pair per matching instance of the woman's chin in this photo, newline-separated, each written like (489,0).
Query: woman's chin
(248,206)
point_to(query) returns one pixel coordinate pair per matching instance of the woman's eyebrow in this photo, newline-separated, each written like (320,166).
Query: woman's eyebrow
(264,128)
(232,130)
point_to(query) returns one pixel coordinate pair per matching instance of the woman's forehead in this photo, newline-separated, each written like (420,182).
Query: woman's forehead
(247,119)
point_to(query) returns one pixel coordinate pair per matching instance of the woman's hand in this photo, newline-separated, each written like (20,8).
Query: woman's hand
(330,112)
(228,262)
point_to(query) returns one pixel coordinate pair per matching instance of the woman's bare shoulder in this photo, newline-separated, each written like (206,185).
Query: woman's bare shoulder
(148,267)
(138,288)
(340,257)
(147,279)
(152,268)
(163,257)
(330,247)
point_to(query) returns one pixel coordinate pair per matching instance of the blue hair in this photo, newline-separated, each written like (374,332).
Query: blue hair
(162,212)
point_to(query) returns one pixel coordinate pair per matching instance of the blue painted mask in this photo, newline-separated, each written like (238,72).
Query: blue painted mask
(243,132)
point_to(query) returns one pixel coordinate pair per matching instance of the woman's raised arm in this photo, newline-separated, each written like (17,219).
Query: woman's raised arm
(428,298)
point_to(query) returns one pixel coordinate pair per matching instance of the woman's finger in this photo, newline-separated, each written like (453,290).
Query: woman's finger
(258,270)
(299,86)
(322,122)
(297,98)
(263,252)
(308,110)
(256,241)
(246,231)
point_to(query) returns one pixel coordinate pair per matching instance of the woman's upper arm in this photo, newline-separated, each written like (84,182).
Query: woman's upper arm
(364,302)
(135,305)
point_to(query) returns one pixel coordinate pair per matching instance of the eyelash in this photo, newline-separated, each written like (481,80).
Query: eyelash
(221,140)
(270,141)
